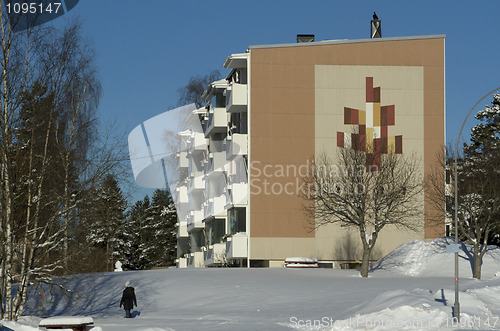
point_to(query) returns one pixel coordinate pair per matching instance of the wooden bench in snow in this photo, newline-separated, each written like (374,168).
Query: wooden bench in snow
(301,262)
(75,323)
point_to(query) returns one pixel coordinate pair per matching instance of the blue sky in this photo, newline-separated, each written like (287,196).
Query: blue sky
(147,50)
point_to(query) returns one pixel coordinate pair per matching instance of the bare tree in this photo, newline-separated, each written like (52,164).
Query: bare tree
(49,154)
(478,184)
(192,92)
(345,191)
(18,64)
(478,202)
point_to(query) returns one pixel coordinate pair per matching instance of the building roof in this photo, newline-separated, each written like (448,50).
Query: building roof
(218,84)
(340,41)
(238,60)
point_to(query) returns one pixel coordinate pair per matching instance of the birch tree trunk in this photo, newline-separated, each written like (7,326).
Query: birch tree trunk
(7,239)
(39,179)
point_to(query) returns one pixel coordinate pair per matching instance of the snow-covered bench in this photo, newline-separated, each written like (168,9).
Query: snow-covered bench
(75,323)
(301,262)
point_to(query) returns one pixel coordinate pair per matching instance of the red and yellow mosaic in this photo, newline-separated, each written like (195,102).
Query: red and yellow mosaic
(372,124)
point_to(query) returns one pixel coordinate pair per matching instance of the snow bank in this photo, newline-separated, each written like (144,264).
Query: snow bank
(17,326)
(412,318)
(401,318)
(420,258)
(410,289)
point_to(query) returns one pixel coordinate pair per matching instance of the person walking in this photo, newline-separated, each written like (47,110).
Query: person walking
(128,299)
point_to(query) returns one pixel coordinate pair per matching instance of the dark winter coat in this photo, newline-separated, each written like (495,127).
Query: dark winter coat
(128,298)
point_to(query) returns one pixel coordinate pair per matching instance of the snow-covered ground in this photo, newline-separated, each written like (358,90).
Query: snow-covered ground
(410,289)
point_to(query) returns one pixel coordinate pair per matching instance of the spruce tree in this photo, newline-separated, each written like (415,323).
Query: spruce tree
(163,219)
(136,225)
(485,136)
(106,225)
(152,232)
(479,182)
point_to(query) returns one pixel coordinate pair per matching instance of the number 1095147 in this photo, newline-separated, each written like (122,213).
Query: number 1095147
(33,8)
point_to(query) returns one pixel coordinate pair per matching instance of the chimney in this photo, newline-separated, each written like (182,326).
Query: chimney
(376,27)
(305,38)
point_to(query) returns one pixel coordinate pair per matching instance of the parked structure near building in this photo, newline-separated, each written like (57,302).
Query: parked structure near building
(280,105)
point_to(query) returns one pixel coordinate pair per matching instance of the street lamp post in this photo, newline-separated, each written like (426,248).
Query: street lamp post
(457,304)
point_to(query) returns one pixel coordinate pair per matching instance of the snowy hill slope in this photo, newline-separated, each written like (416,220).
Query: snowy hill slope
(419,258)
(284,299)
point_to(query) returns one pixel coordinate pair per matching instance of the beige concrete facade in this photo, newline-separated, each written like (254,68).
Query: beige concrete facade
(297,99)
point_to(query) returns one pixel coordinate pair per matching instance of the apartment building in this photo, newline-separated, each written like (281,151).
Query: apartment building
(239,202)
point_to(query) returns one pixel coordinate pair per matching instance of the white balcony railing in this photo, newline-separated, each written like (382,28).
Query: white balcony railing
(237,100)
(197,142)
(195,182)
(215,206)
(217,121)
(195,220)
(215,255)
(237,246)
(181,262)
(181,195)
(182,159)
(216,162)
(182,229)
(239,193)
(236,145)
(197,216)
(196,260)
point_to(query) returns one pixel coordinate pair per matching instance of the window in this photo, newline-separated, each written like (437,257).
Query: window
(239,122)
(197,241)
(218,99)
(218,230)
(237,220)
(215,230)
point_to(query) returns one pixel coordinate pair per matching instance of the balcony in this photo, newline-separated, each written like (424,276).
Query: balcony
(196,260)
(239,194)
(195,220)
(182,229)
(237,246)
(216,162)
(215,207)
(197,142)
(236,145)
(182,160)
(217,121)
(195,182)
(216,255)
(180,194)
(181,262)
(236,98)
(236,61)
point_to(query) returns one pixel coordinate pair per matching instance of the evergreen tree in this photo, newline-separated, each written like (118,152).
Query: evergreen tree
(136,223)
(485,136)
(106,223)
(152,232)
(479,183)
(163,220)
